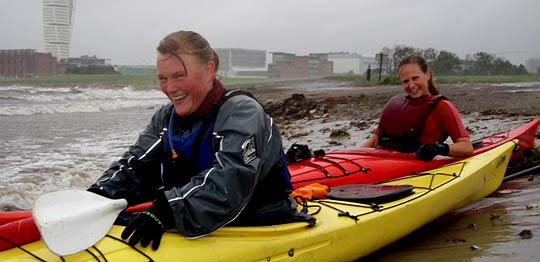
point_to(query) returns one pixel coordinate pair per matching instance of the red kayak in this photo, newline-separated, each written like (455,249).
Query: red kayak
(360,166)
(369,165)
(18,227)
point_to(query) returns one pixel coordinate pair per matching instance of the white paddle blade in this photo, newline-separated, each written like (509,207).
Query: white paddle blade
(73,220)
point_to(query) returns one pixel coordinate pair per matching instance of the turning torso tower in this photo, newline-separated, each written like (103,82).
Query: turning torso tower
(57,23)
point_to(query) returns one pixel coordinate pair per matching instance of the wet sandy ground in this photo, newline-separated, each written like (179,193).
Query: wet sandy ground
(488,230)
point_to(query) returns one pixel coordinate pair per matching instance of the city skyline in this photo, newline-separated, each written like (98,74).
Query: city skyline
(128,32)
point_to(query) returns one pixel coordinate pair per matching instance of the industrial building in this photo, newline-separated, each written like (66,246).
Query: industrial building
(241,62)
(351,63)
(136,69)
(85,64)
(533,65)
(85,60)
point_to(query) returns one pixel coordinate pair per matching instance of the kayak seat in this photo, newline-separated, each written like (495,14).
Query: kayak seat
(370,193)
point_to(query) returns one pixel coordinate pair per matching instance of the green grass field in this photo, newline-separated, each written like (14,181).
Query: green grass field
(447,79)
(151,80)
(111,80)
(489,79)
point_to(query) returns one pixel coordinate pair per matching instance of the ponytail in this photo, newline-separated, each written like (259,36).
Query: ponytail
(433,89)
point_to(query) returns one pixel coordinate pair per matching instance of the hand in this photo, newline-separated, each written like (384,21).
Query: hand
(149,225)
(427,152)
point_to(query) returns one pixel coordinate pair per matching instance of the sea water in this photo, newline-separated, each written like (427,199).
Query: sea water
(56,138)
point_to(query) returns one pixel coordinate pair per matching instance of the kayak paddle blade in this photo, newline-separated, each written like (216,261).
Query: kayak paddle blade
(73,220)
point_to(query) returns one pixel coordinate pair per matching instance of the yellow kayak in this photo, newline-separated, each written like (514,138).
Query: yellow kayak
(344,231)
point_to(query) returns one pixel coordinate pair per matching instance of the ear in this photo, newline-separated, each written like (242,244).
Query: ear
(210,71)
(429,74)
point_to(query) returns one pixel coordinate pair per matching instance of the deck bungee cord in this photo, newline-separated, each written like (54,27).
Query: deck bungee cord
(100,256)
(361,168)
(15,245)
(324,170)
(375,207)
(132,247)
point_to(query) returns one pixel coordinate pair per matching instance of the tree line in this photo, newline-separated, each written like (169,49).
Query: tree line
(447,63)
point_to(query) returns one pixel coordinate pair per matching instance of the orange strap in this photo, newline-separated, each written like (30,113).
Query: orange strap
(311,192)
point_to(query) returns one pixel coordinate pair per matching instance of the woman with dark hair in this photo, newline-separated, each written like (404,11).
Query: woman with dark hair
(207,159)
(420,120)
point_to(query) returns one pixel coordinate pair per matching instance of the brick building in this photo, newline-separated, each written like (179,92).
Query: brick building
(19,63)
(285,65)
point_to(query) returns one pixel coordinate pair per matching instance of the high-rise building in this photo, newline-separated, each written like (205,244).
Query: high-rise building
(57,23)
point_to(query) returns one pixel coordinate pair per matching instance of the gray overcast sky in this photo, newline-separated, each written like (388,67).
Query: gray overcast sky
(128,31)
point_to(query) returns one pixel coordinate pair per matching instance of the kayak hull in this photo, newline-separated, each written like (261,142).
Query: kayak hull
(369,165)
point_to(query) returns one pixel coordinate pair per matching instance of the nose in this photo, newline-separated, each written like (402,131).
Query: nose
(410,84)
(170,86)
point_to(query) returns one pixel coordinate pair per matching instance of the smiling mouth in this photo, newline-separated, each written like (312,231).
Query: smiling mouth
(178,97)
(414,89)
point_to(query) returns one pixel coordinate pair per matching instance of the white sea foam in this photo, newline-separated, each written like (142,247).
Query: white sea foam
(23,100)
(38,168)
(64,138)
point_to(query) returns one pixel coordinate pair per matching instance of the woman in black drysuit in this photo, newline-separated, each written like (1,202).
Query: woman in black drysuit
(207,159)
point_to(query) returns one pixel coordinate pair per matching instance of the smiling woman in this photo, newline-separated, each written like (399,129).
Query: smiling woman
(207,159)
(186,90)
(420,120)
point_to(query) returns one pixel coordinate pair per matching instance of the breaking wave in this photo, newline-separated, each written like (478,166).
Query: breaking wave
(26,100)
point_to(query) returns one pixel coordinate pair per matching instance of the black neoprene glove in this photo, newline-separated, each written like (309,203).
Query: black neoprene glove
(149,225)
(427,152)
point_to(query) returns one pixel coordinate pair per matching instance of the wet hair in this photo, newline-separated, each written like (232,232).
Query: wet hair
(191,43)
(421,62)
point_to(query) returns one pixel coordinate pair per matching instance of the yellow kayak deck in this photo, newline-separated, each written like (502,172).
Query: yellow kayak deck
(344,231)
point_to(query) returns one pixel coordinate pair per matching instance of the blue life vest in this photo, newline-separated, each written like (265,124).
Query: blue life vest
(191,152)
(187,154)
